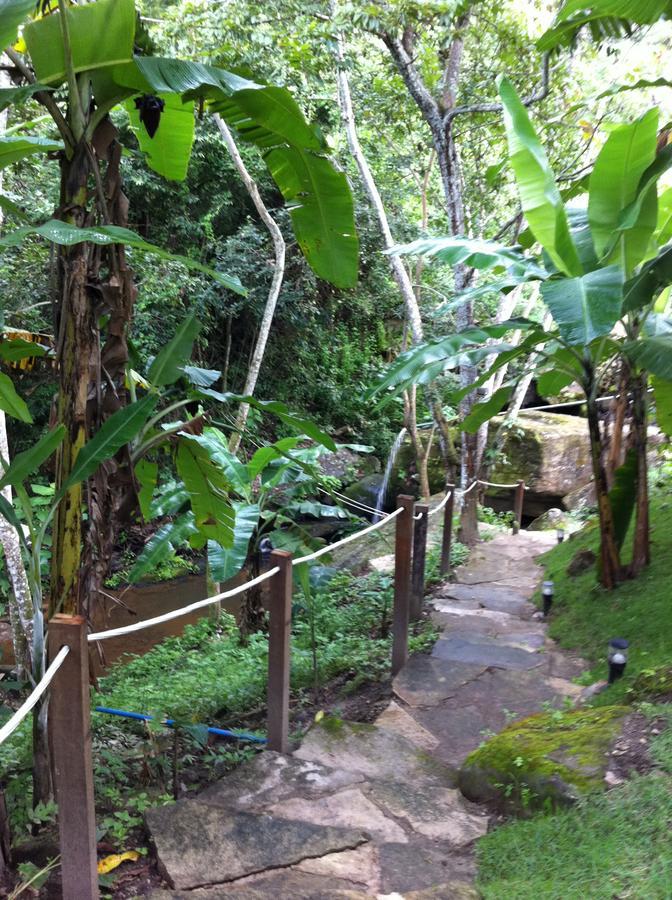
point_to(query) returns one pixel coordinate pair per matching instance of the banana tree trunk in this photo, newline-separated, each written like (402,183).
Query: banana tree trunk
(610,568)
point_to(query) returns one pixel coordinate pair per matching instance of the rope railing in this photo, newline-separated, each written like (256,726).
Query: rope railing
(183,610)
(32,700)
(497,485)
(329,548)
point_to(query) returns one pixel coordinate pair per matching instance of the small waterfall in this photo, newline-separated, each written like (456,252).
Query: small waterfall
(385,483)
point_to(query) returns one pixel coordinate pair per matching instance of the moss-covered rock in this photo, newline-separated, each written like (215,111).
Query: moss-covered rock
(547,760)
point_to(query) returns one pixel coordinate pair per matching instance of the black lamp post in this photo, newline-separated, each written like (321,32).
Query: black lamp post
(265,550)
(618,657)
(547,594)
(560,534)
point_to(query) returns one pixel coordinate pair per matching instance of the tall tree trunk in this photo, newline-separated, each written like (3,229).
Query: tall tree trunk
(397,267)
(276,283)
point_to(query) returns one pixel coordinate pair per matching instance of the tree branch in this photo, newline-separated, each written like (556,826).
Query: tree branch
(533,98)
(44,98)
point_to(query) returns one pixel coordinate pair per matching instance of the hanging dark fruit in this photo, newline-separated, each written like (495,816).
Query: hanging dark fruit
(150,109)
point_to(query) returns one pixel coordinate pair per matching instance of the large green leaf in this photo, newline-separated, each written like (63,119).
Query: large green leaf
(483,412)
(539,195)
(161,545)
(264,455)
(318,195)
(118,430)
(622,496)
(208,490)
(16,349)
(320,205)
(15,96)
(63,233)
(168,151)
(101,35)
(662,391)
(12,14)
(147,473)
(627,153)
(167,365)
(14,148)
(652,277)
(587,307)
(215,444)
(654,354)
(10,402)
(604,18)
(225,562)
(475,252)
(29,461)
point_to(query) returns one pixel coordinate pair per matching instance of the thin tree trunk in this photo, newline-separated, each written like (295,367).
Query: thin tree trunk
(641,552)
(276,283)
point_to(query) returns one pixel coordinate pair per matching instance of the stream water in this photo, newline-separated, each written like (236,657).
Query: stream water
(385,483)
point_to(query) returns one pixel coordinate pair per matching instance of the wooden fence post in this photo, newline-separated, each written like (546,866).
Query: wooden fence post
(519,497)
(403,547)
(70,741)
(279,651)
(419,556)
(447,532)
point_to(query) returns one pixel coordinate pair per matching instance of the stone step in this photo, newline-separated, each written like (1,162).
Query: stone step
(483,653)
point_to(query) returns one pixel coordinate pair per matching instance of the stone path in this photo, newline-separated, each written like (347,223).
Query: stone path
(372,810)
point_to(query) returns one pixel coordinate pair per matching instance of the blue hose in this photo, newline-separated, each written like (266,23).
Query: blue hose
(143,717)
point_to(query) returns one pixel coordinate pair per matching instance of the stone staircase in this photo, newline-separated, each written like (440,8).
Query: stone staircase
(372,810)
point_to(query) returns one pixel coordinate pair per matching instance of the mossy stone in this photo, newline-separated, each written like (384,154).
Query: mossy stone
(546,760)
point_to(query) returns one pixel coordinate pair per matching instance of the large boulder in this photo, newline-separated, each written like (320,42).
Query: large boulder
(547,760)
(549,451)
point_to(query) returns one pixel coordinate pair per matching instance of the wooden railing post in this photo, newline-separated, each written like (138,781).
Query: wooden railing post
(403,547)
(447,532)
(279,650)
(419,556)
(70,741)
(519,498)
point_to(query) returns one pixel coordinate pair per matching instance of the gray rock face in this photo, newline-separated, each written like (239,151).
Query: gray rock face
(552,518)
(198,844)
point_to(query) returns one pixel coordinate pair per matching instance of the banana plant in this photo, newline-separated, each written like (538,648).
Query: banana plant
(78,60)
(604,271)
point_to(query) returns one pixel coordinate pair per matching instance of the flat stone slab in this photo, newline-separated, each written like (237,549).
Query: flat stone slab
(478,592)
(395,718)
(437,813)
(524,640)
(429,680)
(371,751)
(346,809)
(276,886)
(418,866)
(485,654)
(472,608)
(270,778)
(199,845)
(358,867)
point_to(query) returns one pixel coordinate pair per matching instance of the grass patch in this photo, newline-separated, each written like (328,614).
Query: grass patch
(613,845)
(585,616)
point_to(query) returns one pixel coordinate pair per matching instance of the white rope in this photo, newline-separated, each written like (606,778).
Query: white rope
(356,503)
(346,540)
(497,485)
(445,500)
(417,517)
(470,488)
(21,713)
(183,611)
